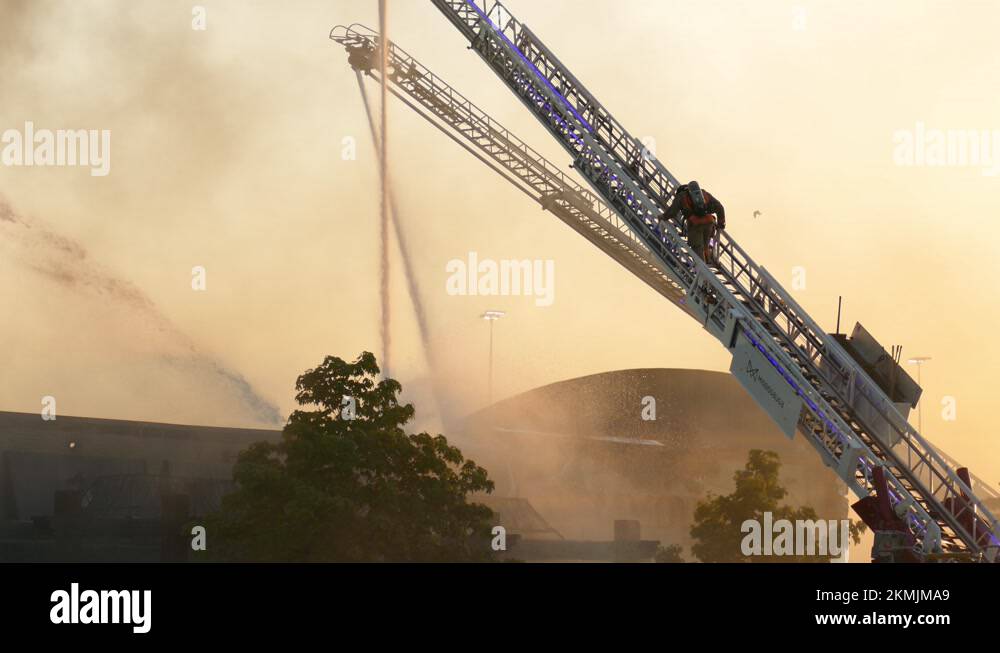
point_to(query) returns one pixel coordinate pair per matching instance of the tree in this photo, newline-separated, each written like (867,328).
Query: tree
(346,483)
(717,520)
(670,553)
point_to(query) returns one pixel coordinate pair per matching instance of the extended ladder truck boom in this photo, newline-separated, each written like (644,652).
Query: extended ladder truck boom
(798,373)
(456,116)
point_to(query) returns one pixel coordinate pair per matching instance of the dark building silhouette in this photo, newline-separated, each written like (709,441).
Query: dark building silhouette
(78,488)
(580,474)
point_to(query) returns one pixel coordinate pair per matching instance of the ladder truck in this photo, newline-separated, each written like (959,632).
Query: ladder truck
(920,506)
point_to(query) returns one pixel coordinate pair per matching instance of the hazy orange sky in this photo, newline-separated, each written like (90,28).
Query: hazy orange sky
(226,153)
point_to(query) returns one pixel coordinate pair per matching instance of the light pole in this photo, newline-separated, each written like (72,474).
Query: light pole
(919,362)
(491,317)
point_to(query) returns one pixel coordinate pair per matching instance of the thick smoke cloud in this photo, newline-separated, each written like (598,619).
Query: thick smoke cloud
(66,262)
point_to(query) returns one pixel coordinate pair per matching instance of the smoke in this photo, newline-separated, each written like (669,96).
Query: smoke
(578,451)
(539,449)
(66,262)
(19,20)
(186,86)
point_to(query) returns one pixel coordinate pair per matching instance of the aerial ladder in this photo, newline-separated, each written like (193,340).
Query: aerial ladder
(920,506)
(510,157)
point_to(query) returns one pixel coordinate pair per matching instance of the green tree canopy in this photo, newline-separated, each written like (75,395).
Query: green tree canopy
(343,487)
(718,519)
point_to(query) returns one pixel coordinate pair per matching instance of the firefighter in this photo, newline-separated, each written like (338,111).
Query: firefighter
(702,214)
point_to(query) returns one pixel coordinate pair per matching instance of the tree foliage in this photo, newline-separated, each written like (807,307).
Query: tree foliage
(362,489)
(718,519)
(670,553)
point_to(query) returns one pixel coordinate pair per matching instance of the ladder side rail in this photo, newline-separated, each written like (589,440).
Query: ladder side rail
(556,185)
(478,118)
(580,101)
(558,75)
(615,240)
(626,146)
(463,110)
(980,486)
(616,138)
(496,19)
(505,141)
(361,35)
